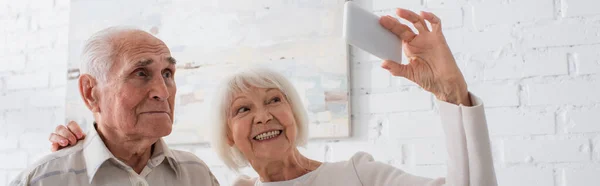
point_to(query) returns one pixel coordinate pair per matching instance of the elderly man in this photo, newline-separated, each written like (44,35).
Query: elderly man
(127,82)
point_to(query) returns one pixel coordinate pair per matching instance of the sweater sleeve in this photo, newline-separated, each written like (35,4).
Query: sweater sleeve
(374,173)
(468,146)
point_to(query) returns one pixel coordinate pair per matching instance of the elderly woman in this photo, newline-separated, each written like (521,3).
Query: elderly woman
(259,121)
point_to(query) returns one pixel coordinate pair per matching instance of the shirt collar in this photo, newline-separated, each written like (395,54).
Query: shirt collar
(95,153)
(160,149)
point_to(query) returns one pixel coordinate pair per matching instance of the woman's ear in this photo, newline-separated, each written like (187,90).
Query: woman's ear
(88,89)
(230,141)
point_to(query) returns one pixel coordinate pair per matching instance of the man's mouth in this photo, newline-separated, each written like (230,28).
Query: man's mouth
(155,112)
(267,135)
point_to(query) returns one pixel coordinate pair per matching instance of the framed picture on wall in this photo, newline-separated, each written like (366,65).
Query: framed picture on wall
(300,38)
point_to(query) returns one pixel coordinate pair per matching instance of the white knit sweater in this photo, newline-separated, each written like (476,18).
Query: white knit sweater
(469,158)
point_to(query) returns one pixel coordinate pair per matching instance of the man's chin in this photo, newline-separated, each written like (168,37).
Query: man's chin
(156,128)
(167,132)
(157,133)
(163,131)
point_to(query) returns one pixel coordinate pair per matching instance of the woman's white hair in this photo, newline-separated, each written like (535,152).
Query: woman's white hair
(98,53)
(243,81)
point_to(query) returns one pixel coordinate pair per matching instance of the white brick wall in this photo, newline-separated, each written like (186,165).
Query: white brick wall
(584,120)
(12,100)
(535,63)
(524,176)
(572,8)
(14,159)
(547,150)
(33,80)
(428,152)
(3,177)
(562,32)
(414,125)
(33,56)
(514,121)
(14,62)
(588,60)
(564,92)
(487,13)
(501,94)
(581,177)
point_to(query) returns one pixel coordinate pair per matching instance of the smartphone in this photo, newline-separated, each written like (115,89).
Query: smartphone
(362,30)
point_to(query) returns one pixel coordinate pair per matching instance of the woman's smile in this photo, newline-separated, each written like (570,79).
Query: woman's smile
(268,136)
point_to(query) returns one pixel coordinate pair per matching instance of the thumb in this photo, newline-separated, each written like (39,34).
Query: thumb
(396,69)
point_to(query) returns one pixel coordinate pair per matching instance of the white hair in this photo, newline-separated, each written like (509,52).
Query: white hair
(98,52)
(243,81)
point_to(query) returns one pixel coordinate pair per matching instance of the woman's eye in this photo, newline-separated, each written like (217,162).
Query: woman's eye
(275,100)
(242,109)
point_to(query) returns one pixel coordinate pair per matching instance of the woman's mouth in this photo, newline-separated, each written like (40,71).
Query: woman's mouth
(267,135)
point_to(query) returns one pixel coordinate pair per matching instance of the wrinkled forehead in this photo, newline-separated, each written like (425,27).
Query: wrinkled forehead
(138,43)
(248,88)
(248,91)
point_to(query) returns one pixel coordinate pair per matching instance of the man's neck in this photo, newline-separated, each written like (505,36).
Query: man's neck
(134,152)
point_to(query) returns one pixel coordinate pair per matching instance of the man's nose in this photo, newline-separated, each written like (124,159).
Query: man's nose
(158,89)
(263,116)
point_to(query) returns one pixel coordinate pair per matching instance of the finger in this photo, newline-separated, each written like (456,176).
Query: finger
(59,140)
(64,132)
(75,129)
(414,18)
(436,23)
(396,69)
(54,147)
(401,30)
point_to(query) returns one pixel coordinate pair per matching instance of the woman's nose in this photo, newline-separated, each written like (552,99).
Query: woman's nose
(262,116)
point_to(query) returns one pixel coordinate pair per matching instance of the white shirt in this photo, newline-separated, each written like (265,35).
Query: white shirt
(469,161)
(89,162)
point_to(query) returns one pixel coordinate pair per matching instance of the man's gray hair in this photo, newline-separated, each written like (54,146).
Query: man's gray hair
(98,52)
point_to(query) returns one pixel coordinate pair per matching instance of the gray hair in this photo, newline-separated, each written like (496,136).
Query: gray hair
(243,81)
(99,51)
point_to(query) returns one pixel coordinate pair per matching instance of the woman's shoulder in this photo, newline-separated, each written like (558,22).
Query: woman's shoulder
(357,160)
(244,180)
(361,157)
(364,163)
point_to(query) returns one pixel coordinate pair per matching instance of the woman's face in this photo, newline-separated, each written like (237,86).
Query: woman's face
(262,124)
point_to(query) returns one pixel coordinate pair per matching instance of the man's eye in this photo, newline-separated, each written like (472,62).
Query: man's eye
(141,73)
(167,74)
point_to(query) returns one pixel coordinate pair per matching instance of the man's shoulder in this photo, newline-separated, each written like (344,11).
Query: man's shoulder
(185,157)
(62,157)
(65,159)
(192,165)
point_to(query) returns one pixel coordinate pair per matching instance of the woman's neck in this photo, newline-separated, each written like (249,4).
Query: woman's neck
(287,168)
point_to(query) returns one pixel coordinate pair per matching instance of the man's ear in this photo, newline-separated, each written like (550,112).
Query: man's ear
(88,88)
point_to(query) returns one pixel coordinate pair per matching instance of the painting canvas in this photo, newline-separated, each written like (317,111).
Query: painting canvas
(211,38)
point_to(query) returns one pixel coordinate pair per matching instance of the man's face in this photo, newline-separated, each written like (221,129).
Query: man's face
(138,97)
